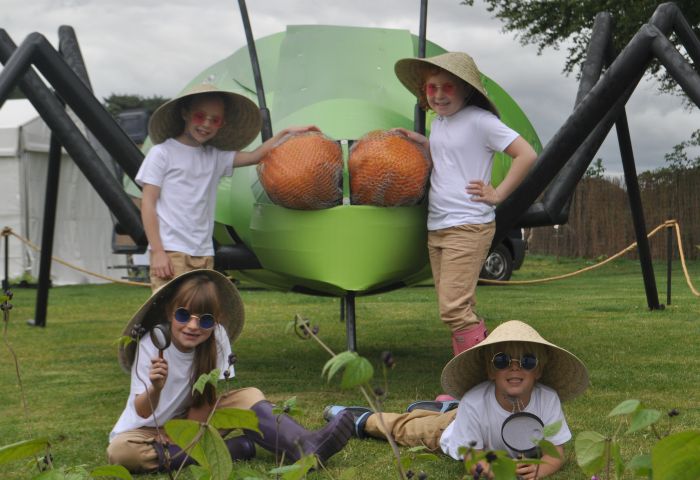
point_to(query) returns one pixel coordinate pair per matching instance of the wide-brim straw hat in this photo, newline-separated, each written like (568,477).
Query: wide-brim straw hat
(241,125)
(563,372)
(152,312)
(411,72)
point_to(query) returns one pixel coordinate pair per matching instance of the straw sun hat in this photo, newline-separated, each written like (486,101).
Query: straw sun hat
(241,125)
(411,72)
(231,315)
(563,372)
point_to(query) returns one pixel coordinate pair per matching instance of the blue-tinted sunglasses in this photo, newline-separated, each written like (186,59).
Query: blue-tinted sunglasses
(501,361)
(205,320)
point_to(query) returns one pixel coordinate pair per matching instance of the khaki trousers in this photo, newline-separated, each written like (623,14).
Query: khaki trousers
(182,263)
(457,255)
(414,429)
(134,449)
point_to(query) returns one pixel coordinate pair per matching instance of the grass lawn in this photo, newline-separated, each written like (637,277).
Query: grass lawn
(75,389)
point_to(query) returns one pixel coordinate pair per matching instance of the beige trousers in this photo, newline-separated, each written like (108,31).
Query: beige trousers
(182,263)
(413,429)
(134,449)
(457,255)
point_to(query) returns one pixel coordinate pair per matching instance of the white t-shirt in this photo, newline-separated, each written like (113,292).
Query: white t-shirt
(462,148)
(187,177)
(175,398)
(480,417)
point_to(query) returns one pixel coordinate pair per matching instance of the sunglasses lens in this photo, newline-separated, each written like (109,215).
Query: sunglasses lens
(199,117)
(206,321)
(528,362)
(182,315)
(431,89)
(501,361)
(216,122)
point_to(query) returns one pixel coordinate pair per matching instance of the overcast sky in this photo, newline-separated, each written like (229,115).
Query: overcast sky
(154,47)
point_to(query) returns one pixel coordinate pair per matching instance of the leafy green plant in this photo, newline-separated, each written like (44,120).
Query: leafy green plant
(673,456)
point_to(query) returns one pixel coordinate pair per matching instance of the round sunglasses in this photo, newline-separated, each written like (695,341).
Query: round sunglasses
(199,117)
(501,361)
(205,320)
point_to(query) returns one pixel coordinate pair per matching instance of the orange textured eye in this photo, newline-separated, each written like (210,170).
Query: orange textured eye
(387,170)
(304,172)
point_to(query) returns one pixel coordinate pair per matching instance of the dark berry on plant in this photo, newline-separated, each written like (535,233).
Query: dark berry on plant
(472,443)
(378,391)
(9,294)
(227,374)
(491,457)
(422,476)
(479,469)
(232,358)
(315,330)
(388,359)
(673,413)
(286,409)
(410,474)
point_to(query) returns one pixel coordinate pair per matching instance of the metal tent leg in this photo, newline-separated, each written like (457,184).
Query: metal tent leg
(350,320)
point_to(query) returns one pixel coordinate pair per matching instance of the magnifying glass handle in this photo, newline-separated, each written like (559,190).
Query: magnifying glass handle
(160,354)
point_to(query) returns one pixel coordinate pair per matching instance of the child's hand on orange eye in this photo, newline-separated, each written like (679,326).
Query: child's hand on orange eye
(158,373)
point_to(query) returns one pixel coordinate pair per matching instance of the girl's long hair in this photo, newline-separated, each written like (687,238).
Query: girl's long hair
(199,294)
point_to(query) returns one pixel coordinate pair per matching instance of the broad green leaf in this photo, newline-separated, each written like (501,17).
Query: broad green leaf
(19,450)
(111,471)
(552,429)
(618,462)
(357,372)
(625,408)
(503,468)
(52,475)
(284,469)
(211,377)
(230,418)
(336,363)
(245,473)
(676,456)
(642,419)
(590,452)
(183,433)
(305,464)
(217,457)
(426,457)
(199,473)
(640,466)
(123,341)
(548,448)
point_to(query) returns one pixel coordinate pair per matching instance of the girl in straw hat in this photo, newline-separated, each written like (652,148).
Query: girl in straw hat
(464,137)
(511,378)
(197,137)
(204,313)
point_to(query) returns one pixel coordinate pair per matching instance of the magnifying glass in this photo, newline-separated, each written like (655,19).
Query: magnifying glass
(521,432)
(160,336)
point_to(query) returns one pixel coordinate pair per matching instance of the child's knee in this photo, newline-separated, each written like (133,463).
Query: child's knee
(242,398)
(135,457)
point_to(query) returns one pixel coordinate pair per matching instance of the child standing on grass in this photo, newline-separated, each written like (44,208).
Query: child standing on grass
(461,209)
(197,140)
(205,314)
(513,372)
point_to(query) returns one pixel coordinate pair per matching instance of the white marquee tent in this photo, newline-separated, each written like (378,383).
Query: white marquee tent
(83,233)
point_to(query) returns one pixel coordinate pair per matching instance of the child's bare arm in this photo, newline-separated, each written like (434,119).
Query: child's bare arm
(523,158)
(160,262)
(145,403)
(550,465)
(243,159)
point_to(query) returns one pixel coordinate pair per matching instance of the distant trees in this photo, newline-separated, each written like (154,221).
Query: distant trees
(117,103)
